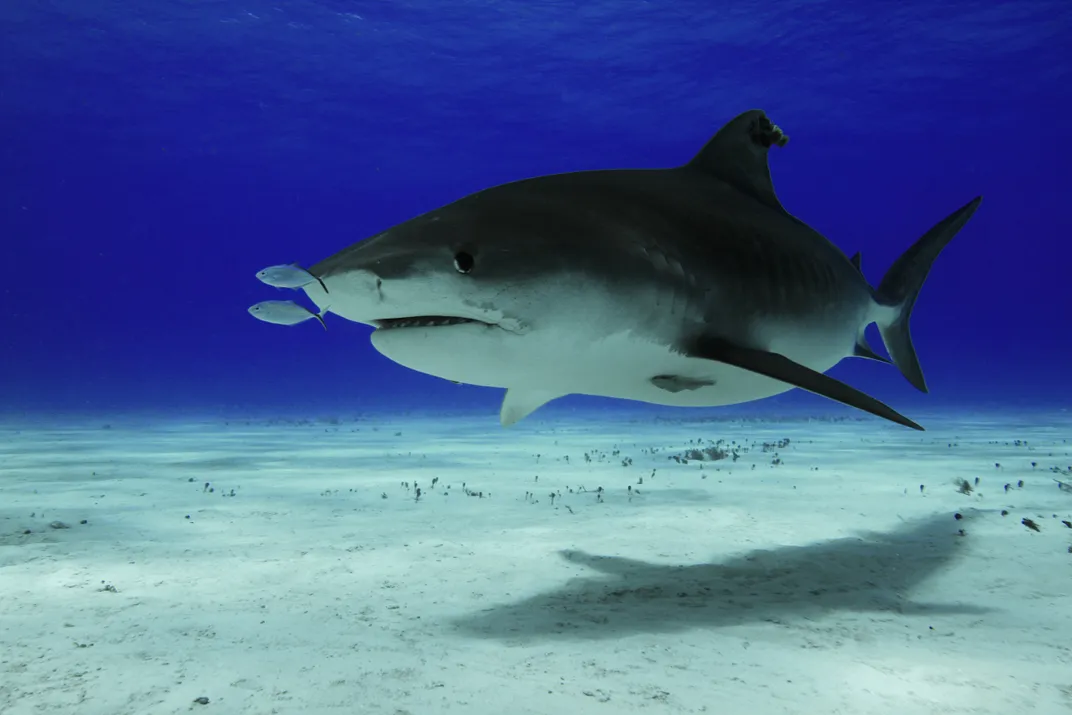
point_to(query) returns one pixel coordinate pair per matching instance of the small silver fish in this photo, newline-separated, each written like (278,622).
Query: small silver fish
(289,275)
(284,312)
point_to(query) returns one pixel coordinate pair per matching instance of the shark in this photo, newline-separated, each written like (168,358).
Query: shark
(683,286)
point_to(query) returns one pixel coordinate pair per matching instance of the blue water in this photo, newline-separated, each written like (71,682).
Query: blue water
(154,155)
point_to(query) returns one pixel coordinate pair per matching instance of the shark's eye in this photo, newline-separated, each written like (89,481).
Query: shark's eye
(463,261)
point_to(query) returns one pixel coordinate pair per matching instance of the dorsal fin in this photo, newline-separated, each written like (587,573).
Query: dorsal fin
(855,260)
(737,154)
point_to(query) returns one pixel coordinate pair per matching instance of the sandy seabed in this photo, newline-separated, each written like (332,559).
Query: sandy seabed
(286,566)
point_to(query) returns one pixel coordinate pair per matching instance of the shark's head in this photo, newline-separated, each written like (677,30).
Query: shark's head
(471,292)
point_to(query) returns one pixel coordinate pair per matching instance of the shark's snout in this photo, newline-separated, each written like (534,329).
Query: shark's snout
(417,300)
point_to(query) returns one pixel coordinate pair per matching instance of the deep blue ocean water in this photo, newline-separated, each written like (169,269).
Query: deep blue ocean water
(154,155)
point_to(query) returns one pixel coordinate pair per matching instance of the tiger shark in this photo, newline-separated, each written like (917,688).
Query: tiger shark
(686,286)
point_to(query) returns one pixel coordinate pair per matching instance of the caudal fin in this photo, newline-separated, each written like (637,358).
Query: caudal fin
(900,288)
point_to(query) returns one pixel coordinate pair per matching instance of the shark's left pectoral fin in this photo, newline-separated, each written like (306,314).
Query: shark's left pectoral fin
(782,368)
(519,403)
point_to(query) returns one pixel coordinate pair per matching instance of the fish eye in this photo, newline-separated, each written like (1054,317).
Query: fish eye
(463,261)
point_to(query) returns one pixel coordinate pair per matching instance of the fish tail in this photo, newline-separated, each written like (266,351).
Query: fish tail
(899,289)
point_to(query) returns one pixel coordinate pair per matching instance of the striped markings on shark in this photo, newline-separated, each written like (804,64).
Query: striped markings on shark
(689,286)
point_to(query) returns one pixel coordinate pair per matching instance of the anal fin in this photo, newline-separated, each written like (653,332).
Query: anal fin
(519,403)
(863,350)
(779,367)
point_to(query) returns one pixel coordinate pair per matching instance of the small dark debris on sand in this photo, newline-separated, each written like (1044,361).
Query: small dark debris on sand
(1030,524)
(201,700)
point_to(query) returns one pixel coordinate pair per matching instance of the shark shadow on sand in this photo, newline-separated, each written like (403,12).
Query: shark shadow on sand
(873,573)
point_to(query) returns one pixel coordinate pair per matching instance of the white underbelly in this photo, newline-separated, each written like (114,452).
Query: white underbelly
(625,367)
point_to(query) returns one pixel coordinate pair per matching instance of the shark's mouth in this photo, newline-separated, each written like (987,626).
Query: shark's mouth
(424,321)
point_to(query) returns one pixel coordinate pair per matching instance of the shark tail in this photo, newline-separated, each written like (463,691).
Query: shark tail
(899,289)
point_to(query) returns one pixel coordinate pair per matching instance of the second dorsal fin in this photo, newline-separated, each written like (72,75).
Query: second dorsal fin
(737,154)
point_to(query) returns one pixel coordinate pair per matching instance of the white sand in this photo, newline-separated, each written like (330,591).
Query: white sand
(826,584)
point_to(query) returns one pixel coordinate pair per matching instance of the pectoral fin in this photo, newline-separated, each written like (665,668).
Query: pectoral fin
(519,403)
(782,368)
